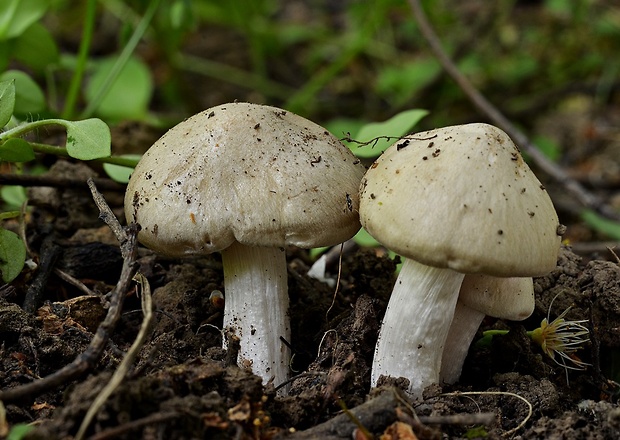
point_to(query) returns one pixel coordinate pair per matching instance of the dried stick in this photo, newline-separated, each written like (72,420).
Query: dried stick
(49,253)
(585,197)
(374,415)
(128,360)
(58,182)
(90,356)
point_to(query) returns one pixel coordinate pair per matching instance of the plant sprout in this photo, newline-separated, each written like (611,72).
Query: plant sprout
(563,338)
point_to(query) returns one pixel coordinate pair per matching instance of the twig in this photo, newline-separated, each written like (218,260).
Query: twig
(299,376)
(151,419)
(480,418)
(91,355)
(498,393)
(74,282)
(58,182)
(106,214)
(49,253)
(123,368)
(375,415)
(585,197)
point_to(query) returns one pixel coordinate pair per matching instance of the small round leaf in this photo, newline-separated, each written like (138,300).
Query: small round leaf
(16,150)
(12,255)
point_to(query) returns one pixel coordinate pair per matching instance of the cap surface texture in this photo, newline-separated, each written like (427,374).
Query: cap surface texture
(246,172)
(463,198)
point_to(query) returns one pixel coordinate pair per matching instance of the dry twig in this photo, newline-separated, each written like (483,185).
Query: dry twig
(128,360)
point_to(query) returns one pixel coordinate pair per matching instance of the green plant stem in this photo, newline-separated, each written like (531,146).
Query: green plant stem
(61,151)
(232,75)
(78,74)
(117,160)
(9,214)
(122,59)
(21,129)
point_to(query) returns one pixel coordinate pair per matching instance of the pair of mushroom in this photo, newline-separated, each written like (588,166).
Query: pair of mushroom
(474,225)
(247,180)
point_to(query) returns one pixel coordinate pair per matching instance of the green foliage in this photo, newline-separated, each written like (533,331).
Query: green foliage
(19,431)
(16,150)
(378,136)
(28,96)
(476,432)
(121,173)
(607,227)
(12,255)
(400,84)
(128,96)
(7,96)
(86,140)
(18,15)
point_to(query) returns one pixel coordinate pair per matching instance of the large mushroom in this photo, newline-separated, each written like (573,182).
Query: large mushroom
(451,201)
(247,180)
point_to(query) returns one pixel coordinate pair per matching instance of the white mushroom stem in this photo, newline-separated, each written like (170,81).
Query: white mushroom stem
(464,326)
(256,308)
(415,326)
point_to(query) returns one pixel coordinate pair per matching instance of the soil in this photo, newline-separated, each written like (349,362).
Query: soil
(183,385)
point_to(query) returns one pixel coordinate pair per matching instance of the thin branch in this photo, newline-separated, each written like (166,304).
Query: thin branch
(58,182)
(128,360)
(585,197)
(106,214)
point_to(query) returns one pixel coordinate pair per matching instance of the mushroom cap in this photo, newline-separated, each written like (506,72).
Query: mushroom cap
(506,298)
(461,197)
(256,174)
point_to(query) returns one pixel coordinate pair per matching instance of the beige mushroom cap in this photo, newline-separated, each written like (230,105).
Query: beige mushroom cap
(252,173)
(461,197)
(506,298)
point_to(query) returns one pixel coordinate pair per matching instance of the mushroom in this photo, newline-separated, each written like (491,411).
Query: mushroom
(481,295)
(450,201)
(246,180)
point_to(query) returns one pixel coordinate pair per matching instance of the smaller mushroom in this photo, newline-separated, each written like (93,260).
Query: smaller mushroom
(481,295)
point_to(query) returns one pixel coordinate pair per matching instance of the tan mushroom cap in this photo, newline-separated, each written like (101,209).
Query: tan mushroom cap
(506,298)
(461,197)
(252,173)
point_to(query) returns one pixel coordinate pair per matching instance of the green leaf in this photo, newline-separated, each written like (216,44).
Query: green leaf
(129,95)
(17,15)
(16,150)
(364,239)
(19,431)
(13,195)
(341,126)
(12,255)
(7,101)
(120,173)
(549,147)
(9,214)
(400,83)
(36,48)
(601,224)
(395,127)
(88,139)
(29,97)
